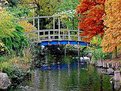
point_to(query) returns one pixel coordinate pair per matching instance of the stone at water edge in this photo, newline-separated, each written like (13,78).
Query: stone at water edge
(117,76)
(99,63)
(4,81)
(110,71)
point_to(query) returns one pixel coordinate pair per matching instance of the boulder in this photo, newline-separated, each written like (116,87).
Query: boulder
(99,63)
(117,85)
(84,59)
(117,75)
(4,81)
(110,71)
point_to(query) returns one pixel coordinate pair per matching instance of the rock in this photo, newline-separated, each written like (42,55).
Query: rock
(101,70)
(110,71)
(117,76)
(85,59)
(89,55)
(4,81)
(99,63)
(27,88)
(117,85)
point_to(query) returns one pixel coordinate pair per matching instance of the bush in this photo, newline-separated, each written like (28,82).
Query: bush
(15,70)
(68,59)
(99,55)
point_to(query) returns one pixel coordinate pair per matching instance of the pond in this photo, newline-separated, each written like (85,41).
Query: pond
(78,78)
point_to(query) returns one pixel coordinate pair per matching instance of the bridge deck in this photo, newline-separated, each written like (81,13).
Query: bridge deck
(63,42)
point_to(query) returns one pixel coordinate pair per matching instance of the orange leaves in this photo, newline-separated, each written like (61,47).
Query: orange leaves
(111,39)
(91,23)
(112,36)
(81,9)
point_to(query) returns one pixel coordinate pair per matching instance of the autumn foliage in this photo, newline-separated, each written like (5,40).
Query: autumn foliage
(28,28)
(90,14)
(112,36)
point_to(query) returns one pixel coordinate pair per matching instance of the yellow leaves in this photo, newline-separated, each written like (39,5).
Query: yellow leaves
(2,46)
(96,40)
(7,25)
(64,16)
(28,27)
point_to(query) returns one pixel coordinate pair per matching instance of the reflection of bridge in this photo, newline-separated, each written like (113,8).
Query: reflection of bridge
(55,35)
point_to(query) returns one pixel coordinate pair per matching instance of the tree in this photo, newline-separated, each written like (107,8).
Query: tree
(7,24)
(112,37)
(90,14)
(12,3)
(96,41)
(66,11)
(28,28)
(11,33)
(42,7)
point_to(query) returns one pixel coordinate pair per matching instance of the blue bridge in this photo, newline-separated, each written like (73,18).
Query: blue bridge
(63,42)
(56,35)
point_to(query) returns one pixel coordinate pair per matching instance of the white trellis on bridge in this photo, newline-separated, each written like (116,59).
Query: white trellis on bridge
(55,33)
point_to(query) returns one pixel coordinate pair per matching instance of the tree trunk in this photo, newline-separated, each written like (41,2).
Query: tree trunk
(73,23)
(116,53)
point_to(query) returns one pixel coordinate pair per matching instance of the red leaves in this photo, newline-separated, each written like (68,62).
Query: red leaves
(81,9)
(100,1)
(91,23)
(97,12)
(85,5)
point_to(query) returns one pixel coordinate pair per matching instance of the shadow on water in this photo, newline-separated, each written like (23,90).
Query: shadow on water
(77,78)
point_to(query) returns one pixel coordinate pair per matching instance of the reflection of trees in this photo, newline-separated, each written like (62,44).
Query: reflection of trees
(89,80)
(78,80)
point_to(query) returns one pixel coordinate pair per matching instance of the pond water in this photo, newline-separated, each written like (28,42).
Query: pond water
(78,78)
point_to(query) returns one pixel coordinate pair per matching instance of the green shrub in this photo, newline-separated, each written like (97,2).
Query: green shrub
(99,55)
(15,73)
(68,59)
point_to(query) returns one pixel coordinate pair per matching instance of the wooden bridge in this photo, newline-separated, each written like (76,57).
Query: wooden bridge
(56,34)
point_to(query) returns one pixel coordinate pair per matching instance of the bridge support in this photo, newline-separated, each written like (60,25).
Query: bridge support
(65,51)
(46,57)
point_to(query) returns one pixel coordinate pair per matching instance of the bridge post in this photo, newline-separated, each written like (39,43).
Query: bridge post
(65,51)
(78,75)
(54,26)
(59,28)
(33,23)
(49,35)
(78,52)
(53,22)
(46,56)
(38,27)
(78,34)
(69,38)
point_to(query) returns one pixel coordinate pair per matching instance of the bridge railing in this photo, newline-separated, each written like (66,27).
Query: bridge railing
(54,33)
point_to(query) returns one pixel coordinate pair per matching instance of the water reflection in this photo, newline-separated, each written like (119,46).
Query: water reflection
(72,79)
(77,78)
